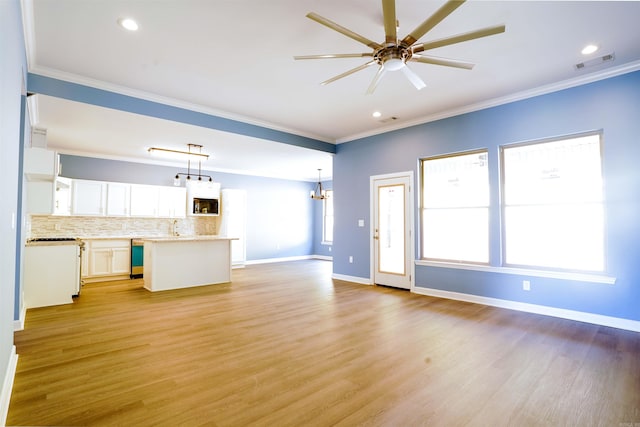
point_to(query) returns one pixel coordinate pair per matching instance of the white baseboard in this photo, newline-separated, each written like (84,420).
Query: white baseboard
(284,259)
(18,325)
(290,258)
(580,316)
(355,279)
(7,386)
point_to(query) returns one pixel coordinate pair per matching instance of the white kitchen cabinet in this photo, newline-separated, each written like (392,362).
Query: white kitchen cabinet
(144,200)
(40,169)
(62,202)
(107,257)
(99,198)
(118,199)
(40,197)
(89,197)
(41,164)
(172,202)
(47,197)
(51,274)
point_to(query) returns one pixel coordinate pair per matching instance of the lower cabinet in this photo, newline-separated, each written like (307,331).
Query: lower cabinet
(106,259)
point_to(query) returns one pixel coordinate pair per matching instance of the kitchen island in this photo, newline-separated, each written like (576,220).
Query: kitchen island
(186,261)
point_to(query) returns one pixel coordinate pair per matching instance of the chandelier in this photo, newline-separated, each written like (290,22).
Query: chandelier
(319,193)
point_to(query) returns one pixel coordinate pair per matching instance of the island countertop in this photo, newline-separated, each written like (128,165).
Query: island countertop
(175,262)
(185,238)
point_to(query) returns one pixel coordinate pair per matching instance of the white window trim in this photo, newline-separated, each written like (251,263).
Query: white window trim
(324,224)
(564,275)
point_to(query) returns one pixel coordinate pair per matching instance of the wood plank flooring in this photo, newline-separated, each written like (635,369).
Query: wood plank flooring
(285,345)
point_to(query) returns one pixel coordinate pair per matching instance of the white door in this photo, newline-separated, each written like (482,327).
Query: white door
(392,229)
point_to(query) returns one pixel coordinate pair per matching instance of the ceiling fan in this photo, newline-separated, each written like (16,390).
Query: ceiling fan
(393,54)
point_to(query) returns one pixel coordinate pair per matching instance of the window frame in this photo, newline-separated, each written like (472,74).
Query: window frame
(421,163)
(325,241)
(503,206)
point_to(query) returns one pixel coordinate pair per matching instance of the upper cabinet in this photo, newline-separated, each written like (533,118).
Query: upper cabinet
(62,198)
(118,199)
(41,170)
(41,164)
(172,202)
(89,197)
(144,200)
(81,197)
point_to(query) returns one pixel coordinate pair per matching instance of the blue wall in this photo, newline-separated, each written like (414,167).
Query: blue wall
(13,66)
(612,105)
(280,213)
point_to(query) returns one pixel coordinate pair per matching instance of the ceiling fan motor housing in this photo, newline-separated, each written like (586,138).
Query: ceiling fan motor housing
(392,57)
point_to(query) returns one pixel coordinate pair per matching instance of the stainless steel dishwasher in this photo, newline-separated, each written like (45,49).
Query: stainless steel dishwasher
(137,258)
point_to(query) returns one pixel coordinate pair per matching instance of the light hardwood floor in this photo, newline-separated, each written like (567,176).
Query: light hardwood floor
(286,345)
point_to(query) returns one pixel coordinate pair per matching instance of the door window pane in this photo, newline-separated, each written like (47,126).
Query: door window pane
(391,226)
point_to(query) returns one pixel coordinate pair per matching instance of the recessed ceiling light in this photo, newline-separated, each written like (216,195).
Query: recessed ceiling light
(589,49)
(128,24)
(376,114)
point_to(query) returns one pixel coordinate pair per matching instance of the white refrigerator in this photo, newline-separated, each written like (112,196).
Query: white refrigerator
(233,223)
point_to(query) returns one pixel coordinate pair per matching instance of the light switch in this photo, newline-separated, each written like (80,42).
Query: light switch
(361,223)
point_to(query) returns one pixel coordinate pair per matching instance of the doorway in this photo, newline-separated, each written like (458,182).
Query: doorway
(392,230)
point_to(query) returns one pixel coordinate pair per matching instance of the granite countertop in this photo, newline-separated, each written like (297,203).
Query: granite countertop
(165,238)
(186,238)
(129,237)
(53,243)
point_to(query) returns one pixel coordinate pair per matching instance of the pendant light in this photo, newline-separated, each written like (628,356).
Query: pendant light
(319,193)
(191,154)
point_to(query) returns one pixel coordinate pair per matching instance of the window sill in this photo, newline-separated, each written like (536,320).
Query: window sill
(326,243)
(581,277)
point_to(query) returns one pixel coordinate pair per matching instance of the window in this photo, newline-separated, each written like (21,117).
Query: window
(455,208)
(553,211)
(327,217)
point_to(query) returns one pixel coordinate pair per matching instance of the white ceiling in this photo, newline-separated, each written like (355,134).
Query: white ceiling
(234,58)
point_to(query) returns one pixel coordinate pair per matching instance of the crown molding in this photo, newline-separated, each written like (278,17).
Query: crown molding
(148,96)
(518,96)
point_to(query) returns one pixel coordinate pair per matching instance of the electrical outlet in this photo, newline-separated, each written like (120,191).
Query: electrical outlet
(526,285)
(56,227)
(350,259)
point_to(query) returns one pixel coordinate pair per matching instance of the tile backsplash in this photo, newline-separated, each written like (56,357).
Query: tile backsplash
(91,226)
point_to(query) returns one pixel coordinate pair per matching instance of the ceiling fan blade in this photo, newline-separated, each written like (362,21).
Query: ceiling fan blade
(442,61)
(346,73)
(376,80)
(332,55)
(390,21)
(471,35)
(413,78)
(339,28)
(432,21)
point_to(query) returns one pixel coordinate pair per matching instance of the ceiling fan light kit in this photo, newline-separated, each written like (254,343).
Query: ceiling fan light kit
(393,54)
